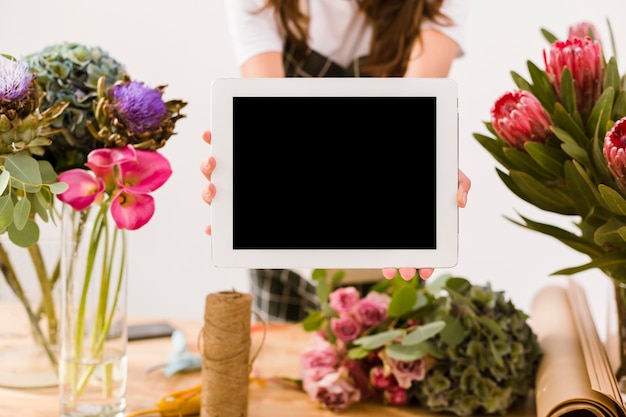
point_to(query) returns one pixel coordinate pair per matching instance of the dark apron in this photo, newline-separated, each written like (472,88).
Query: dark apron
(314,64)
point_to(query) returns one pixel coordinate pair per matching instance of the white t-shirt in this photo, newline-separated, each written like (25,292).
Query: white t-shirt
(337,29)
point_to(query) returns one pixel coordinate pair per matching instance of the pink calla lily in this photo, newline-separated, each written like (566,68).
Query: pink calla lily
(132,210)
(149,171)
(103,161)
(83,188)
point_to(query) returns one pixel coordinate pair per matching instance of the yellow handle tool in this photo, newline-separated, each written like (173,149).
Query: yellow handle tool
(185,403)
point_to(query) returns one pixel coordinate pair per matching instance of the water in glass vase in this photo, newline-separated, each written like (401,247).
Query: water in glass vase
(94,387)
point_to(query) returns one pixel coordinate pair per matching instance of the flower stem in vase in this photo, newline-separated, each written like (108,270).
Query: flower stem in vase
(8,272)
(620,306)
(46,284)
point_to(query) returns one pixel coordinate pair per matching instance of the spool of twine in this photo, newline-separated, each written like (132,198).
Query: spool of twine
(226,355)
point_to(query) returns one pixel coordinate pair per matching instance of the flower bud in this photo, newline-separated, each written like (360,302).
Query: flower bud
(583,57)
(395,395)
(615,152)
(378,379)
(518,117)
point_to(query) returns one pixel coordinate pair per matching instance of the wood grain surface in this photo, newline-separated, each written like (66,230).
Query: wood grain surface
(278,356)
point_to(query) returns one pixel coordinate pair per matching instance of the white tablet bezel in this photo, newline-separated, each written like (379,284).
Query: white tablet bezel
(444,89)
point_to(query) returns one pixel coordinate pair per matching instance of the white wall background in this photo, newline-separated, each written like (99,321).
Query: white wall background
(185,44)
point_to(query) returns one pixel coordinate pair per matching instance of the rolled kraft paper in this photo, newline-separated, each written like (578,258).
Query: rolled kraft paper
(226,355)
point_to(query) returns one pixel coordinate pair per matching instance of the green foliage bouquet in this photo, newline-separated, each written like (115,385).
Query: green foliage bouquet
(447,346)
(561,138)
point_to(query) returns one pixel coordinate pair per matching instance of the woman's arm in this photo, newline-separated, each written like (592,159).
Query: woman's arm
(264,65)
(432,56)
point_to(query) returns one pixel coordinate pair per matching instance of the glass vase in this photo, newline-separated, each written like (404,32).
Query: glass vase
(93,364)
(29,309)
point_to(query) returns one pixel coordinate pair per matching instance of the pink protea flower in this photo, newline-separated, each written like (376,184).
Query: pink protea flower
(518,117)
(583,57)
(582,29)
(615,152)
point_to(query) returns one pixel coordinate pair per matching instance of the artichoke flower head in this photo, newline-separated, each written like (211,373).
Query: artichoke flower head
(69,72)
(27,185)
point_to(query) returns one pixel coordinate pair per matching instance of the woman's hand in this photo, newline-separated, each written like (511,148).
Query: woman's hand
(425,273)
(206,167)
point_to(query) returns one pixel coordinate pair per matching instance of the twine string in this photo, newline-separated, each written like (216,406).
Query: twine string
(225,351)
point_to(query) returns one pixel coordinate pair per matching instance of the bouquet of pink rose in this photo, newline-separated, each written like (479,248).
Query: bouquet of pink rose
(448,346)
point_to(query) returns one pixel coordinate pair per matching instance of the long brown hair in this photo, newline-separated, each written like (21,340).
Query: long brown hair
(396,27)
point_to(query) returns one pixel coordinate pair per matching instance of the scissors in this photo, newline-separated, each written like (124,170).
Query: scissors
(185,403)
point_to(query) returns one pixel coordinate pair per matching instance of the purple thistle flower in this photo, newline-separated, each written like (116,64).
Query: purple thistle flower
(15,80)
(139,107)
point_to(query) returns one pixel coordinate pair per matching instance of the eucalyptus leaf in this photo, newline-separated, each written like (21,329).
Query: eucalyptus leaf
(358,352)
(6,212)
(25,172)
(406,353)
(40,204)
(423,332)
(48,175)
(58,187)
(4,181)
(377,340)
(313,321)
(21,213)
(26,236)
(402,301)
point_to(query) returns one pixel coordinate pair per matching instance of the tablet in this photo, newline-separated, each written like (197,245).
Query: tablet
(334,172)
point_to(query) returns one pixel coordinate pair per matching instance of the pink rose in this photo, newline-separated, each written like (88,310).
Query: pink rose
(372,309)
(378,379)
(319,354)
(336,390)
(405,372)
(395,395)
(345,328)
(343,299)
(311,378)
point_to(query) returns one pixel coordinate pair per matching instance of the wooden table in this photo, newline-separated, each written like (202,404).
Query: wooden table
(279,356)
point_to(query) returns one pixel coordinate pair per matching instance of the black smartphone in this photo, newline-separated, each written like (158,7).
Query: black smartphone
(149,330)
